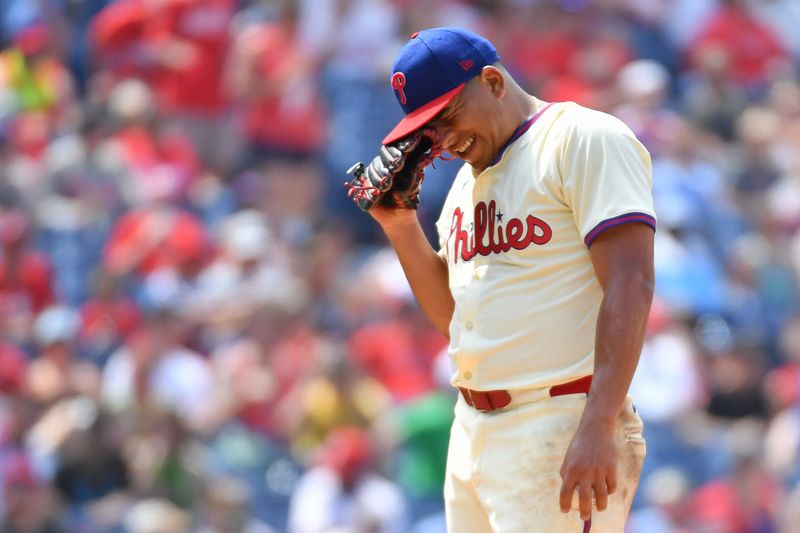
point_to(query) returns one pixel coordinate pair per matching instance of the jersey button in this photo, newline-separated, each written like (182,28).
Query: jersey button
(469,326)
(467,375)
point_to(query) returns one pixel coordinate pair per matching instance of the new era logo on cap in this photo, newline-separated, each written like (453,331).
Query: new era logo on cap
(431,69)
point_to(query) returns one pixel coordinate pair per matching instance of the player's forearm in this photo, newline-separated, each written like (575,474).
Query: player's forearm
(425,270)
(621,325)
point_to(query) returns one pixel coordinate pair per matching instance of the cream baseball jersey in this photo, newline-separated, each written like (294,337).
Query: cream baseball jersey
(516,239)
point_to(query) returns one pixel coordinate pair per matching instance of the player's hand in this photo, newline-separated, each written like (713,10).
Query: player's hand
(590,467)
(394,177)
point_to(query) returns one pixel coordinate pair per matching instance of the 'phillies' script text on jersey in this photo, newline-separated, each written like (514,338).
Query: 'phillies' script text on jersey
(494,238)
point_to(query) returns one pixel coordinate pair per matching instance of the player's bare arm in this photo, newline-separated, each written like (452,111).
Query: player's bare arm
(623,262)
(424,268)
(388,188)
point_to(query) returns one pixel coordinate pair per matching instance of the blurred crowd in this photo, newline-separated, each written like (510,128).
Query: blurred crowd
(201,333)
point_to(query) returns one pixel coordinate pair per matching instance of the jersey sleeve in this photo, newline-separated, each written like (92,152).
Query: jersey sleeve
(606,175)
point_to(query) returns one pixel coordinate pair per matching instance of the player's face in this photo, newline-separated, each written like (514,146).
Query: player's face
(470,126)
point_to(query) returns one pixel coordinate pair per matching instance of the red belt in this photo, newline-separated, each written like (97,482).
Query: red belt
(490,400)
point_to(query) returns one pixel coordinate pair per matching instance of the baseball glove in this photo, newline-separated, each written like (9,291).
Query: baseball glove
(394,177)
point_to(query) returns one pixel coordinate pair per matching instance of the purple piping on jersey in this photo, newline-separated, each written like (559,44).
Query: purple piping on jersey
(587,526)
(616,221)
(518,133)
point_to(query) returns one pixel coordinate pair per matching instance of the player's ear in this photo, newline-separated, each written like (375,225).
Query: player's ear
(494,79)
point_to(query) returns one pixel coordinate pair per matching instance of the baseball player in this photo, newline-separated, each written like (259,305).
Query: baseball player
(542,282)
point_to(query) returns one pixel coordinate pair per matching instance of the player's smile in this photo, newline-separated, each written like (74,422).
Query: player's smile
(461,150)
(461,145)
(465,149)
(472,149)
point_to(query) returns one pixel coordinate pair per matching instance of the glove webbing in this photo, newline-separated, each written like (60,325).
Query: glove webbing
(362,186)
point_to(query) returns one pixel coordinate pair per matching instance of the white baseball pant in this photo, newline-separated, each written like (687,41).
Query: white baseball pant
(503,469)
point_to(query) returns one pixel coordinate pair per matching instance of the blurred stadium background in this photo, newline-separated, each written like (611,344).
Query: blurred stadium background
(201,333)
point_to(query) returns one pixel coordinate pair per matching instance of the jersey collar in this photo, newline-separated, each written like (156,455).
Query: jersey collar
(525,126)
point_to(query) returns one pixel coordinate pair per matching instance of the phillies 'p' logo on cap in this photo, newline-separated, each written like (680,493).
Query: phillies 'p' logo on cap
(431,69)
(398,82)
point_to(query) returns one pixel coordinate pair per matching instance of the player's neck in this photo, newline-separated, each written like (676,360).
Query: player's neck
(527,106)
(524,107)
(533,105)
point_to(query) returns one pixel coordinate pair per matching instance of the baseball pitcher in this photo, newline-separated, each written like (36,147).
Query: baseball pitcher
(542,282)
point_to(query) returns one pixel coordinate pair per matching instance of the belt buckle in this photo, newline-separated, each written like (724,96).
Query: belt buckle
(470,401)
(467,393)
(487,401)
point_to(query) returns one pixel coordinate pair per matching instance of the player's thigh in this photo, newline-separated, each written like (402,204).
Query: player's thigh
(521,470)
(520,474)
(463,509)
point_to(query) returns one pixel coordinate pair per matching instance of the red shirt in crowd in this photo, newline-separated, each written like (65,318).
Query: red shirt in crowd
(750,45)
(25,283)
(147,239)
(104,321)
(177,46)
(284,108)
(164,163)
(13,367)
(391,353)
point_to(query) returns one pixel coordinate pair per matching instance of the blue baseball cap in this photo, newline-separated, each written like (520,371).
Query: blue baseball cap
(431,69)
